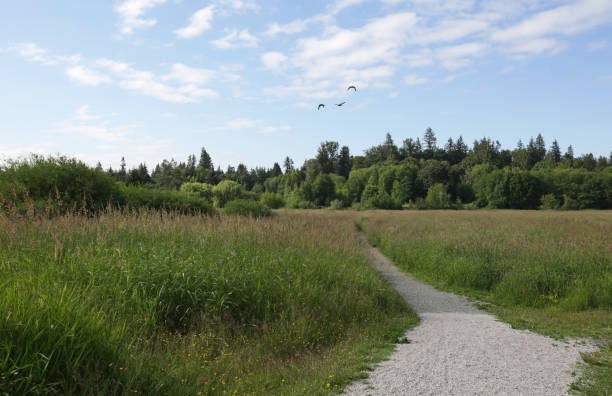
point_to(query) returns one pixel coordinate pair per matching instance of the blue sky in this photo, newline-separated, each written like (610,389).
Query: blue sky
(155,79)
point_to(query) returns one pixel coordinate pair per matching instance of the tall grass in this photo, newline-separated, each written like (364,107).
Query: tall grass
(532,259)
(549,272)
(163,303)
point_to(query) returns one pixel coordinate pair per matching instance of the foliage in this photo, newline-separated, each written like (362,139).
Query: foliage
(200,190)
(245,207)
(67,183)
(136,197)
(437,197)
(549,202)
(227,190)
(272,200)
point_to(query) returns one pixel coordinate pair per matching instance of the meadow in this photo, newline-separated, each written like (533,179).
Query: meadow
(157,302)
(546,271)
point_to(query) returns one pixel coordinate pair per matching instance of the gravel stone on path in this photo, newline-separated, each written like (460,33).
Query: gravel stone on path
(460,350)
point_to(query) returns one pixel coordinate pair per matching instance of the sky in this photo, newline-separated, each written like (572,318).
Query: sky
(159,79)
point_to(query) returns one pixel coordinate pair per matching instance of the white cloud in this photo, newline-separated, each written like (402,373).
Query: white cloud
(86,76)
(189,75)
(567,19)
(239,5)
(33,53)
(85,124)
(131,12)
(198,23)
(188,90)
(236,39)
(273,60)
(596,45)
(258,126)
(83,113)
(183,84)
(536,46)
(413,79)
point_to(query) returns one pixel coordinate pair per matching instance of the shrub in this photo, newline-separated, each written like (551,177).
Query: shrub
(438,197)
(243,207)
(336,204)
(200,190)
(135,197)
(272,200)
(227,190)
(569,203)
(65,182)
(549,202)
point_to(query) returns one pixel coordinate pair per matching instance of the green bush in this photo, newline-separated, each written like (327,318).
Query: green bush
(61,182)
(272,200)
(200,190)
(227,190)
(243,207)
(336,204)
(549,202)
(135,197)
(437,197)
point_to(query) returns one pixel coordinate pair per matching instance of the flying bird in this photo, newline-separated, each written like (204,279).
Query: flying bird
(352,86)
(321,105)
(340,104)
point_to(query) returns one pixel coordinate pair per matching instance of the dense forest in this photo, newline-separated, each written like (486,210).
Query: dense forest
(419,174)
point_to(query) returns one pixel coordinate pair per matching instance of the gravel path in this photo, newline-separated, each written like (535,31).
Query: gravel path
(460,350)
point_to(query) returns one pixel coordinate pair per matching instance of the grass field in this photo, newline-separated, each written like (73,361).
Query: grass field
(550,272)
(157,303)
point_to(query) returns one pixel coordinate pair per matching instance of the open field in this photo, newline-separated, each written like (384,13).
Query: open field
(168,304)
(550,272)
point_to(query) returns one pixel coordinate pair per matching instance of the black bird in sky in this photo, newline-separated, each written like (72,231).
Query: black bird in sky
(340,104)
(353,87)
(321,105)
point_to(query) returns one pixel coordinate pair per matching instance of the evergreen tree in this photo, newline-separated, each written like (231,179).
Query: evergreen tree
(449,147)
(205,160)
(122,170)
(344,162)
(191,165)
(430,142)
(276,170)
(540,147)
(555,152)
(409,149)
(418,147)
(569,154)
(519,157)
(288,165)
(461,150)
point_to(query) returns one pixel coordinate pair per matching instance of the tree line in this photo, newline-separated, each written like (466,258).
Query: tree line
(416,174)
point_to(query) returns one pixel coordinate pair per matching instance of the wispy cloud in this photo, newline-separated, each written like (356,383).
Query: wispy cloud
(413,79)
(183,84)
(34,53)
(83,123)
(236,39)
(87,76)
(246,124)
(131,14)
(273,60)
(597,45)
(198,23)
(442,35)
